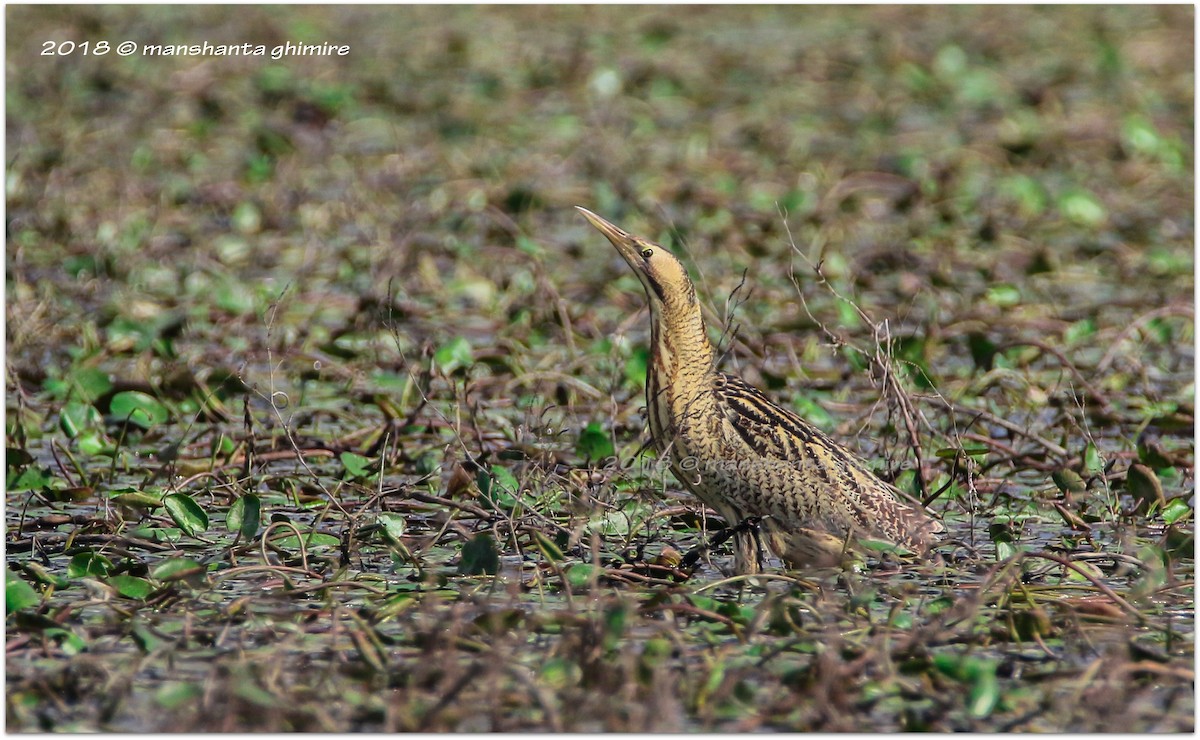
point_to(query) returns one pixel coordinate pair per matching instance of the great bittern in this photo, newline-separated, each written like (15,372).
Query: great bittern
(743,455)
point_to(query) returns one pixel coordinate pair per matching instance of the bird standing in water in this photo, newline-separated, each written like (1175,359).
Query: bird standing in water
(741,454)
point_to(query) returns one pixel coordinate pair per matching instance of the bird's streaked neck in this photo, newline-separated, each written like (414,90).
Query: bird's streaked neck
(679,342)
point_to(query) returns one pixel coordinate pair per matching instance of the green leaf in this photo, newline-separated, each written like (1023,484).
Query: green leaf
(493,491)
(244,516)
(980,674)
(983,350)
(848,316)
(40,574)
(594,444)
(1176,509)
(311,541)
(1028,193)
(137,500)
(246,218)
(984,694)
(1144,486)
(530,247)
(454,355)
(1004,295)
(30,479)
(505,479)
(883,546)
(547,547)
(69,642)
(1068,481)
(559,673)
(636,367)
(138,408)
(177,695)
(176,569)
(1091,459)
(393,526)
(580,575)
(18,594)
(88,383)
(132,587)
(1081,207)
(75,417)
(356,465)
(89,564)
(1081,329)
(429,463)
(479,556)
(812,411)
(186,513)
(93,442)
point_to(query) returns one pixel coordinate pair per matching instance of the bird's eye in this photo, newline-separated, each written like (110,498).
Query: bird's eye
(646,253)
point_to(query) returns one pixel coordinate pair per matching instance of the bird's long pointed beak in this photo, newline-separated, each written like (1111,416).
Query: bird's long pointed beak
(621,239)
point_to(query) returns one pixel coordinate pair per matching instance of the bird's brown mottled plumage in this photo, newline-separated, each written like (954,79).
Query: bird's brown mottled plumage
(743,455)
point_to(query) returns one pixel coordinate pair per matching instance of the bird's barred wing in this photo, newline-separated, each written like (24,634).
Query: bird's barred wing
(827,483)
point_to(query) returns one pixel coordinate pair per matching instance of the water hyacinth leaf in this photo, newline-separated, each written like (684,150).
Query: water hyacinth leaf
(479,556)
(812,411)
(883,547)
(580,575)
(76,417)
(393,526)
(1082,329)
(312,540)
(1144,486)
(454,355)
(547,547)
(137,499)
(132,587)
(1176,510)
(559,673)
(30,479)
(636,366)
(244,516)
(93,442)
(979,674)
(356,465)
(984,694)
(983,350)
(1004,537)
(40,574)
(140,409)
(69,642)
(505,479)
(16,457)
(594,444)
(177,695)
(186,513)
(428,463)
(848,316)
(1004,295)
(1068,481)
(89,564)
(497,487)
(957,453)
(176,569)
(17,593)
(1081,207)
(530,247)
(84,384)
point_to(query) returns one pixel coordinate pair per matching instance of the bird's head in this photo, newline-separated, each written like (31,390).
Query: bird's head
(662,274)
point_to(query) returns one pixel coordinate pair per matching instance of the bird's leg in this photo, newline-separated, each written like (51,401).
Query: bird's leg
(748,547)
(747,526)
